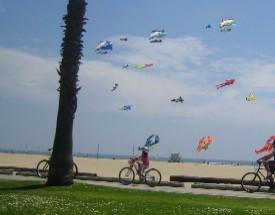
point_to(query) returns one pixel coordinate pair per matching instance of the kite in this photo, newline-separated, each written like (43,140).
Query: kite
(104,47)
(180,99)
(138,66)
(250,97)
(151,141)
(114,87)
(226,24)
(208,26)
(156,36)
(204,142)
(126,107)
(125,39)
(226,83)
(267,146)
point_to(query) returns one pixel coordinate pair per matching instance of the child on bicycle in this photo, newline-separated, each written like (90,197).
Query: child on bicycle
(269,164)
(143,161)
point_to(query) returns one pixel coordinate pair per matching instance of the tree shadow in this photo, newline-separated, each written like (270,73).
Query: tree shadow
(26,187)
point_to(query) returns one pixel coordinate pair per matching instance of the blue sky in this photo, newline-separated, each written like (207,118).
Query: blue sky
(189,62)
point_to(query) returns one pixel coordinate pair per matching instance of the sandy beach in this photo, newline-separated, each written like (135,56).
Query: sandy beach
(110,168)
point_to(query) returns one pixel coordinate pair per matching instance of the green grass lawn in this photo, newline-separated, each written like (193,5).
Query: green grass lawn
(19,197)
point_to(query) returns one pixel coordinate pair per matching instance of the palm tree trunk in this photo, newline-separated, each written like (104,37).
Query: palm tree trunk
(61,162)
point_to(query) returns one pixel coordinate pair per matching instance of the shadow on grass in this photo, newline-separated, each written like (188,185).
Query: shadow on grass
(26,187)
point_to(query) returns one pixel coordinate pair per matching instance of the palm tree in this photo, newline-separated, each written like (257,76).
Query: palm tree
(61,163)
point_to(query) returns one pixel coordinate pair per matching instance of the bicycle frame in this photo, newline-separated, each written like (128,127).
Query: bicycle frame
(134,165)
(259,168)
(265,181)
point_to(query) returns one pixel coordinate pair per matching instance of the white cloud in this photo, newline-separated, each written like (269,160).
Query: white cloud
(26,76)
(179,72)
(251,74)
(172,53)
(151,89)
(148,93)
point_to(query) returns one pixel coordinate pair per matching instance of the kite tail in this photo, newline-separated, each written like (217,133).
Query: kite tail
(266,147)
(198,150)
(261,150)
(151,148)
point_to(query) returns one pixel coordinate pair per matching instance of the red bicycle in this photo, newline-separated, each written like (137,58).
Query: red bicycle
(127,174)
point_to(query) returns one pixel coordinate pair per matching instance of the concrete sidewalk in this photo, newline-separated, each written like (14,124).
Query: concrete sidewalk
(186,189)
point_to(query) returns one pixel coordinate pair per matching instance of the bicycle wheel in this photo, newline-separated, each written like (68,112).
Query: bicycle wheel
(42,168)
(251,182)
(75,169)
(152,177)
(126,175)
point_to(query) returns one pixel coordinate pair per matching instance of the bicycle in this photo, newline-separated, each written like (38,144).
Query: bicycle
(252,181)
(42,167)
(151,177)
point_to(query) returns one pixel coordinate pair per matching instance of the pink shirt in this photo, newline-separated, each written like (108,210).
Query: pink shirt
(145,159)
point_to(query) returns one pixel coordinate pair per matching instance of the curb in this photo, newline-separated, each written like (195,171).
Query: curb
(9,170)
(224,187)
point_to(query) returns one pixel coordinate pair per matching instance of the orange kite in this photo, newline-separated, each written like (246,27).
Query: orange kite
(204,142)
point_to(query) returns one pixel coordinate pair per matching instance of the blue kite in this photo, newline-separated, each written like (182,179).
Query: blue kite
(126,107)
(208,26)
(104,47)
(152,140)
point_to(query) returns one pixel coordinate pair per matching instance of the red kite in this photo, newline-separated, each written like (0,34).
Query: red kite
(225,83)
(267,146)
